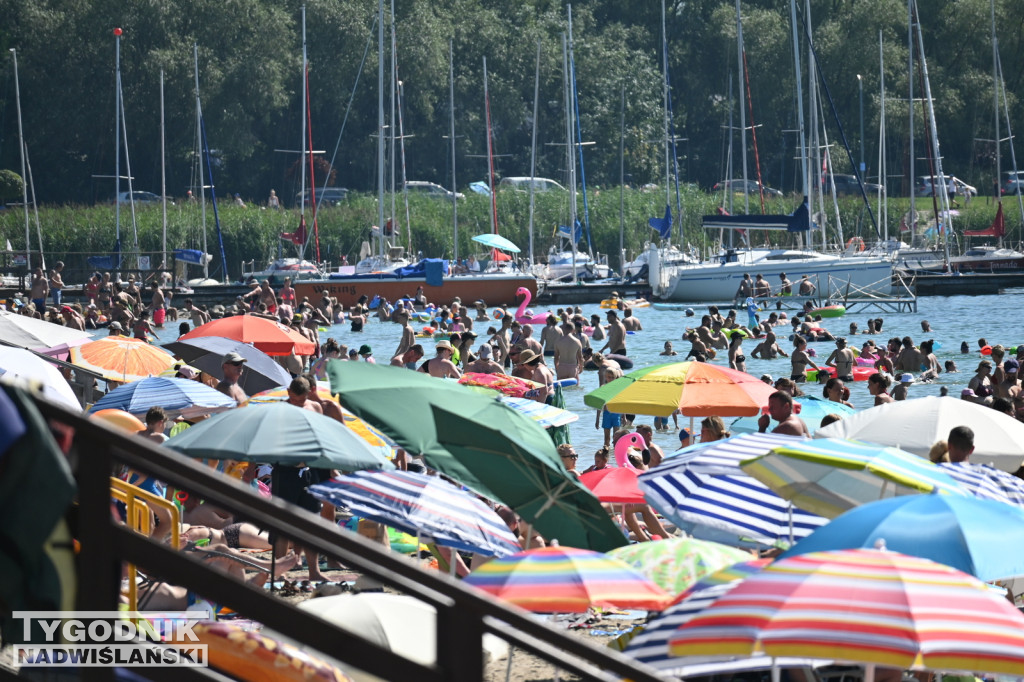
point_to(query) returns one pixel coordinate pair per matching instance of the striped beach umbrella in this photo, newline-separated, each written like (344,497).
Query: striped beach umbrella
(548,416)
(650,646)
(703,491)
(828,476)
(986,482)
(183,397)
(566,580)
(864,606)
(422,505)
(675,564)
(119,358)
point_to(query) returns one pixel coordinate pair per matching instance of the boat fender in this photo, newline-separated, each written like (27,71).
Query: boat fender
(565,383)
(986,350)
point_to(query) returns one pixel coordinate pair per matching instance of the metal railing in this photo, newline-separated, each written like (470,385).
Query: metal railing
(464,616)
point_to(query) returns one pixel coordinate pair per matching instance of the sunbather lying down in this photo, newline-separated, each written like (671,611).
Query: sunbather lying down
(235,535)
(161,596)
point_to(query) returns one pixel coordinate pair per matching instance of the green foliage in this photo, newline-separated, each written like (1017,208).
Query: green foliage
(11,186)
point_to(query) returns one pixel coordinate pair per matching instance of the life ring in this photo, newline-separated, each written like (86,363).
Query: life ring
(610,303)
(859,373)
(251,656)
(829,311)
(855,240)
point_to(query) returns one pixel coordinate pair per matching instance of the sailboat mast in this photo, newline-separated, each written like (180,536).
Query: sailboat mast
(380,124)
(303,146)
(163,177)
(199,148)
(940,180)
(995,96)
(883,198)
(490,153)
(743,106)
(117,143)
(910,109)
(24,176)
(804,176)
(451,121)
(395,230)
(665,105)
(405,184)
(533,147)
(571,160)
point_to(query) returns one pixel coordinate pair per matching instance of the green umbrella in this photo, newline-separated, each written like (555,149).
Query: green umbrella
(279,433)
(675,564)
(480,442)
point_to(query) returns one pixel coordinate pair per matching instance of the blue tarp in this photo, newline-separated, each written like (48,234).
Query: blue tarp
(436,270)
(189,255)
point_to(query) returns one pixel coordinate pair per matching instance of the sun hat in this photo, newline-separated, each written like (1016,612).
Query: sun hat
(968,393)
(443,344)
(907,378)
(526,356)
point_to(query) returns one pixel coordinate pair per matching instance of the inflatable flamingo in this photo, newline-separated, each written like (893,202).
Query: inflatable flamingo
(634,440)
(521,313)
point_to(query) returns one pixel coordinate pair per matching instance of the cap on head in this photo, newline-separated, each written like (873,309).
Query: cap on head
(485,350)
(1011,365)
(365,350)
(115,326)
(233,358)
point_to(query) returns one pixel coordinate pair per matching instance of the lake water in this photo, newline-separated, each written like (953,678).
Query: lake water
(953,319)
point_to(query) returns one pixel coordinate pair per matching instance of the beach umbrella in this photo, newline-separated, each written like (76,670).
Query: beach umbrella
(548,416)
(279,434)
(617,485)
(703,491)
(986,482)
(39,335)
(696,389)
(18,363)
(966,533)
(367,432)
(864,606)
(566,580)
(421,505)
(206,353)
(496,241)
(675,564)
(273,338)
(119,358)
(915,425)
(480,442)
(811,411)
(650,646)
(178,397)
(828,476)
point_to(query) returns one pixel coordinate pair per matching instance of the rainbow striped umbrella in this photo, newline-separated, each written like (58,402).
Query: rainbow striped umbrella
(566,580)
(370,434)
(864,606)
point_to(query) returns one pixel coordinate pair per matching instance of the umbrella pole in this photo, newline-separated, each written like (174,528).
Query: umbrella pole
(508,668)
(529,536)
(776,671)
(869,673)
(453,557)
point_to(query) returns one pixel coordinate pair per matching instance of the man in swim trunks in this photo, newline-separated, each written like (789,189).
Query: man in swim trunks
(484,364)
(156,304)
(616,335)
(745,289)
(806,286)
(549,335)
(568,353)
(842,359)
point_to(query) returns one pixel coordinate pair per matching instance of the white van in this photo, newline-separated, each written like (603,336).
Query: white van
(523,184)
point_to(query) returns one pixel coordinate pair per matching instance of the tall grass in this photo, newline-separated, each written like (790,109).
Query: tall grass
(70,233)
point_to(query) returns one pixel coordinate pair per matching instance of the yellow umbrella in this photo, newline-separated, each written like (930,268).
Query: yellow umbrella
(370,434)
(119,358)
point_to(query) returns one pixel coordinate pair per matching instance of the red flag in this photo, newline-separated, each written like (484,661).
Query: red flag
(299,238)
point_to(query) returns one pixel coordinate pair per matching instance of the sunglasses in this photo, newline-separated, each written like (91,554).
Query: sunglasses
(570,456)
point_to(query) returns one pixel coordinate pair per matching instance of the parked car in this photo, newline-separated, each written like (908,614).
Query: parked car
(924,187)
(431,189)
(140,198)
(847,184)
(1014,183)
(752,187)
(523,184)
(330,196)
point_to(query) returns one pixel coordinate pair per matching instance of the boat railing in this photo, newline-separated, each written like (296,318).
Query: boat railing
(464,616)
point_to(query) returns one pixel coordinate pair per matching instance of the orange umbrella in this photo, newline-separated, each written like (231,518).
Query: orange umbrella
(119,358)
(268,336)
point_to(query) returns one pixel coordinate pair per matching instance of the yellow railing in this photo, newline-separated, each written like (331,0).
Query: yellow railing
(138,507)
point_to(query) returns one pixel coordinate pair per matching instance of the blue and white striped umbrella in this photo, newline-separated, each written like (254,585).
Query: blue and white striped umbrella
(182,397)
(546,415)
(703,491)
(986,482)
(422,505)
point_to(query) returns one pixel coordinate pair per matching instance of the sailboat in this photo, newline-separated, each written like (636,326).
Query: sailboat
(376,276)
(565,261)
(719,278)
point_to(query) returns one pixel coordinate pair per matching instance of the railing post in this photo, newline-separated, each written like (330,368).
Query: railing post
(99,575)
(460,644)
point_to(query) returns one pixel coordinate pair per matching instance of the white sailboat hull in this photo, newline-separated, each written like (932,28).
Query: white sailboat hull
(717,281)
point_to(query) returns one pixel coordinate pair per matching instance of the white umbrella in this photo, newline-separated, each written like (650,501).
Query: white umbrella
(18,363)
(915,425)
(40,335)
(402,624)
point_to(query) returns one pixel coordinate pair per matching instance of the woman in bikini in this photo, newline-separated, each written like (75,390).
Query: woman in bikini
(235,536)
